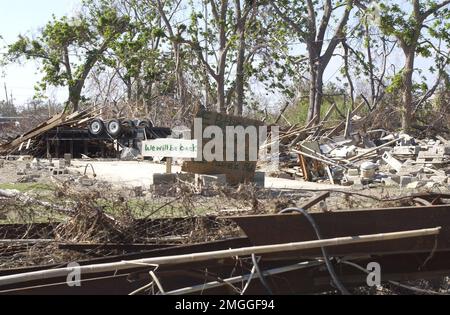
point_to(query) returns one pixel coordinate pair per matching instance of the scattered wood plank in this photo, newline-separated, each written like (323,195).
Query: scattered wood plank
(358,157)
(315,200)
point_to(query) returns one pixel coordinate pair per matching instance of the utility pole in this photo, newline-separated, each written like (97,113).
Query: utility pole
(206,54)
(6,93)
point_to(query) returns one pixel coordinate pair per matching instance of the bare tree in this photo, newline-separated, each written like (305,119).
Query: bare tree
(312,32)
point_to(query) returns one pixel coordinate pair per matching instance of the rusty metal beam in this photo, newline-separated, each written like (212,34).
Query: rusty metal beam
(276,229)
(130,248)
(405,267)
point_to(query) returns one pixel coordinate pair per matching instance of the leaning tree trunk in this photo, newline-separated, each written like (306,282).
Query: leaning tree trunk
(407,97)
(315,94)
(239,107)
(221,94)
(180,77)
(319,96)
(312,92)
(75,95)
(239,104)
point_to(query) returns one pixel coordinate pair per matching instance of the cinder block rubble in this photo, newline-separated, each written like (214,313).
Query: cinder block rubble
(208,181)
(260,179)
(164,179)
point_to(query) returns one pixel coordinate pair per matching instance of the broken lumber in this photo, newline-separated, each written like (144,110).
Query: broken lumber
(315,200)
(317,158)
(356,158)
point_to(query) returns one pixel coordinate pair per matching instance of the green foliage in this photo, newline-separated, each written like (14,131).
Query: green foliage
(28,187)
(68,48)
(396,83)
(130,40)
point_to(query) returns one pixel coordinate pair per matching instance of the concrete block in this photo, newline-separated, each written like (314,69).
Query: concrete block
(357,187)
(138,191)
(406,180)
(353,172)
(59,171)
(68,159)
(447,150)
(416,185)
(86,181)
(345,182)
(423,176)
(406,150)
(389,182)
(61,164)
(395,178)
(358,184)
(21,172)
(431,185)
(410,170)
(211,180)
(164,179)
(439,179)
(392,162)
(25,158)
(350,180)
(260,179)
(434,152)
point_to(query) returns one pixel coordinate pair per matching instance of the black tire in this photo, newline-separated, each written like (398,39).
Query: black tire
(129,124)
(146,124)
(114,128)
(96,127)
(128,127)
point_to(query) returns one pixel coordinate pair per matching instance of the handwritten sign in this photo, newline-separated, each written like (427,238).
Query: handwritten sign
(170,148)
(237,172)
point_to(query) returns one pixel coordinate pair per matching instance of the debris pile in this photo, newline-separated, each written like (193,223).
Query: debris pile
(375,158)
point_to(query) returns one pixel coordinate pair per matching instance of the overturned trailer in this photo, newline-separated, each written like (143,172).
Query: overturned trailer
(83,133)
(101,138)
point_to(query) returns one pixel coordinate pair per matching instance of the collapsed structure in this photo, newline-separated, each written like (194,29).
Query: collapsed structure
(361,158)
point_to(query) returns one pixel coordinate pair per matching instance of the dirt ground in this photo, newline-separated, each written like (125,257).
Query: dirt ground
(132,181)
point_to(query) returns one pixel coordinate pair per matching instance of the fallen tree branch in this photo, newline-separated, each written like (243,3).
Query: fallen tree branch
(15,194)
(351,193)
